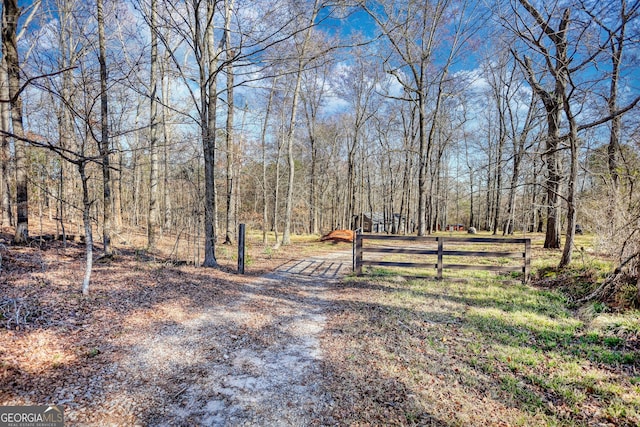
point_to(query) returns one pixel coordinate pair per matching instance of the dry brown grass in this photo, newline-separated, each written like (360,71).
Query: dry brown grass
(475,352)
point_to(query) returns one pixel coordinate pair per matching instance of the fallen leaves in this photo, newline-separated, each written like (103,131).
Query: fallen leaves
(150,336)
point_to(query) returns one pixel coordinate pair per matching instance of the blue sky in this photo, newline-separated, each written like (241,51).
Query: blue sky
(357,21)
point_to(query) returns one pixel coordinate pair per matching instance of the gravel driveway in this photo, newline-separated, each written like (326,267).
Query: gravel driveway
(254,362)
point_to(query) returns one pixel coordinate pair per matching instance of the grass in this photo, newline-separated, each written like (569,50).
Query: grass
(481,351)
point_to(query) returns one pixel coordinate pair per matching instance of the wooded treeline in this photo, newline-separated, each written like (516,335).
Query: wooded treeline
(186,118)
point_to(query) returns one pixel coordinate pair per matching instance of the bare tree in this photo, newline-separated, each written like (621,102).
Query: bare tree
(301,62)
(5,149)
(11,14)
(193,22)
(315,86)
(5,115)
(519,138)
(407,114)
(104,146)
(413,30)
(70,53)
(231,220)
(154,190)
(553,101)
(617,39)
(209,100)
(497,75)
(263,143)
(563,59)
(357,86)
(81,160)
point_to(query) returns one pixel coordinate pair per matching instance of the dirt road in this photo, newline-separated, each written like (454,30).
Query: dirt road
(254,362)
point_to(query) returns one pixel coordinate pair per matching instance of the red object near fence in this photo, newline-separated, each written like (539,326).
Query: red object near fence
(346,236)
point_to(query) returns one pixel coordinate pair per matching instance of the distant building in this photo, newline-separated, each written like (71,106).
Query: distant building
(455,227)
(377,222)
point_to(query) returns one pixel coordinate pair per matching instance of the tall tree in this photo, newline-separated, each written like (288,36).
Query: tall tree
(193,22)
(208,65)
(357,86)
(5,117)
(263,143)
(519,137)
(313,94)
(154,166)
(71,51)
(553,100)
(498,78)
(103,144)
(231,222)
(11,14)
(301,61)
(5,149)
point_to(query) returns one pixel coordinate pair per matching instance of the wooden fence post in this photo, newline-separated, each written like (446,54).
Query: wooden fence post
(241,239)
(353,251)
(527,260)
(440,256)
(358,255)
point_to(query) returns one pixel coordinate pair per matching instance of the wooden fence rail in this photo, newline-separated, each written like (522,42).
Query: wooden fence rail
(359,250)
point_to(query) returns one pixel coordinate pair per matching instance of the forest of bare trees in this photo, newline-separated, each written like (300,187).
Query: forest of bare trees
(185,118)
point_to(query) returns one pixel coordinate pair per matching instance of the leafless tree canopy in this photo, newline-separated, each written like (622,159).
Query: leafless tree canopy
(186,118)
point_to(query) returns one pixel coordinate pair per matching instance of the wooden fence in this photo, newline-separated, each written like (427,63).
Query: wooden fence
(359,250)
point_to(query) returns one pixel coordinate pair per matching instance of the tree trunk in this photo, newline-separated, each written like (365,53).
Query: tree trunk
(553,106)
(404,200)
(423,161)
(104,146)
(5,150)
(617,45)
(553,102)
(313,202)
(88,234)
(117,189)
(231,223)
(10,50)
(286,234)
(351,183)
(432,134)
(311,108)
(518,152)
(209,97)
(498,170)
(152,214)
(167,217)
(571,188)
(489,195)
(263,139)
(552,236)
(509,223)
(276,195)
